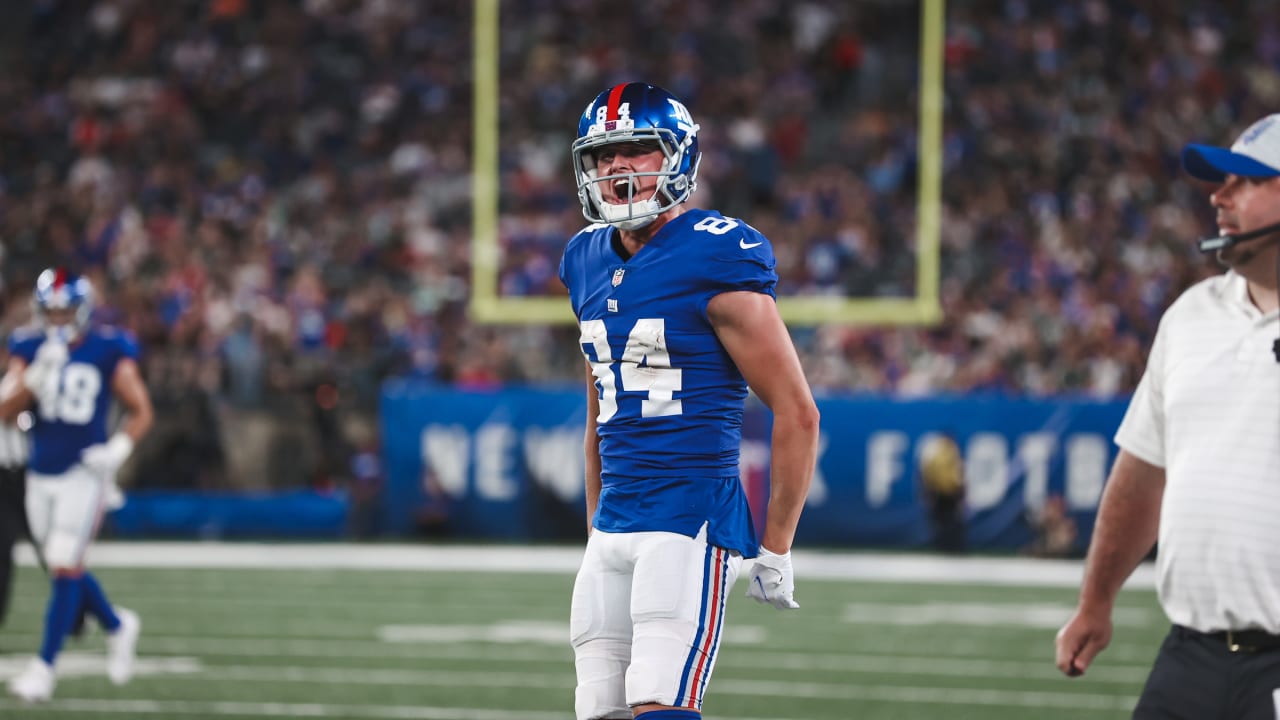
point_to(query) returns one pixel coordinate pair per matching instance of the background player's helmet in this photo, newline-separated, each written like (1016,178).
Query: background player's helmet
(636,112)
(57,289)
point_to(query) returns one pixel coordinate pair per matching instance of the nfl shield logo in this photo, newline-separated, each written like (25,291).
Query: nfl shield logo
(617,276)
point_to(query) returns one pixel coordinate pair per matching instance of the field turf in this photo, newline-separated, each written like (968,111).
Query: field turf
(343,642)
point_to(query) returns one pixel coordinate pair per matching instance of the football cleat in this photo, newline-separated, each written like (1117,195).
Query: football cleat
(122,646)
(34,684)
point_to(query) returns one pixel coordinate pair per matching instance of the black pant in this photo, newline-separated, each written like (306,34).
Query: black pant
(1198,677)
(13,525)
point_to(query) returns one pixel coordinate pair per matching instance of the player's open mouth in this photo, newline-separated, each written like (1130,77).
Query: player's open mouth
(621,192)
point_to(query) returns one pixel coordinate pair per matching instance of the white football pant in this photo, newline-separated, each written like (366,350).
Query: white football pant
(648,608)
(64,512)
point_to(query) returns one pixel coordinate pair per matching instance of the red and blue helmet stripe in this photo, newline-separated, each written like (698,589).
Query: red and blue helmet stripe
(59,289)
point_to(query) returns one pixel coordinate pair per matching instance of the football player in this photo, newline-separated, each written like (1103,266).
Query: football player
(68,372)
(678,318)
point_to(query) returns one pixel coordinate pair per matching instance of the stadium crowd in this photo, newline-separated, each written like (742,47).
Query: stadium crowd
(275,196)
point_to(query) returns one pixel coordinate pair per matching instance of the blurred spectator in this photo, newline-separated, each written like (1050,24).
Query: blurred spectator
(1054,531)
(942,481)
(431,517)
(243,355)
(366,482)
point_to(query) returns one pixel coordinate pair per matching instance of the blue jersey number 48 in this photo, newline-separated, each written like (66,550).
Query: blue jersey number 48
(77,396)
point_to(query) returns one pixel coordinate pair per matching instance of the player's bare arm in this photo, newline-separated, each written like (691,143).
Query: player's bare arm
(131,391)
(126,383)
(591,449)
(1126,530)
(14,395)
(752,331)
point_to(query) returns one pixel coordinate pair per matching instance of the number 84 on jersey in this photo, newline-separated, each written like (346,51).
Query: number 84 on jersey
(645,367)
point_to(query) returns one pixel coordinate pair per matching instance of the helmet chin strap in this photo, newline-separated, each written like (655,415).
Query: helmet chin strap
(619,216)
(635,214)
(634,224)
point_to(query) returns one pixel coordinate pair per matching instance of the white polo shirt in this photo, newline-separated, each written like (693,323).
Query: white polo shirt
(1208,411)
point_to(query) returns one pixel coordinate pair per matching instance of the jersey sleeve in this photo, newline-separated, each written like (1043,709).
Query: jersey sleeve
(567,272)
(127,346)
(23,344)
(1141,433)
(744,263)
(573,263)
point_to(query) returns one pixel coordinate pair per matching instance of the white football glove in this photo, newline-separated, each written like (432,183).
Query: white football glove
(113,496)
(106,458)
(42,375)
(772,580)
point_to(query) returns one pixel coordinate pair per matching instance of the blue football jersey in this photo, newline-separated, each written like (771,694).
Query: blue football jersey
(77,417)
(671,399)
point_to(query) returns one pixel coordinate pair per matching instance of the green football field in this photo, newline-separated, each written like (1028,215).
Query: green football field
(491,645)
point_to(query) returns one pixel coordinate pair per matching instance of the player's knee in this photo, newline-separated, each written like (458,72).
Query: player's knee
(63,552)
(602,667)
(666,670)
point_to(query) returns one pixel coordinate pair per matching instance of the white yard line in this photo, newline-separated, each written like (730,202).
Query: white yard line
(79,663)
(563,682)
(929,695)
(1131,661)
(810,565)
(1104,672)
(1012,616)
(170,708)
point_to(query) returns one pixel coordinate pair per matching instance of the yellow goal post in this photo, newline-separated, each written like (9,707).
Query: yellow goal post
(487,306)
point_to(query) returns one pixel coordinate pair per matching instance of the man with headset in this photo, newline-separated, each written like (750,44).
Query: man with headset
(1199,452)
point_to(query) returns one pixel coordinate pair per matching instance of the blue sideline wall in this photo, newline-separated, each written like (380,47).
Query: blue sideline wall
(507,464)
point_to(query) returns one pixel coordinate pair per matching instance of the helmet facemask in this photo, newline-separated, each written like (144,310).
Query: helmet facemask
(673,188)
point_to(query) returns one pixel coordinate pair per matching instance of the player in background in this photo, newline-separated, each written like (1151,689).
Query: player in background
(68,372)
(677,315)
